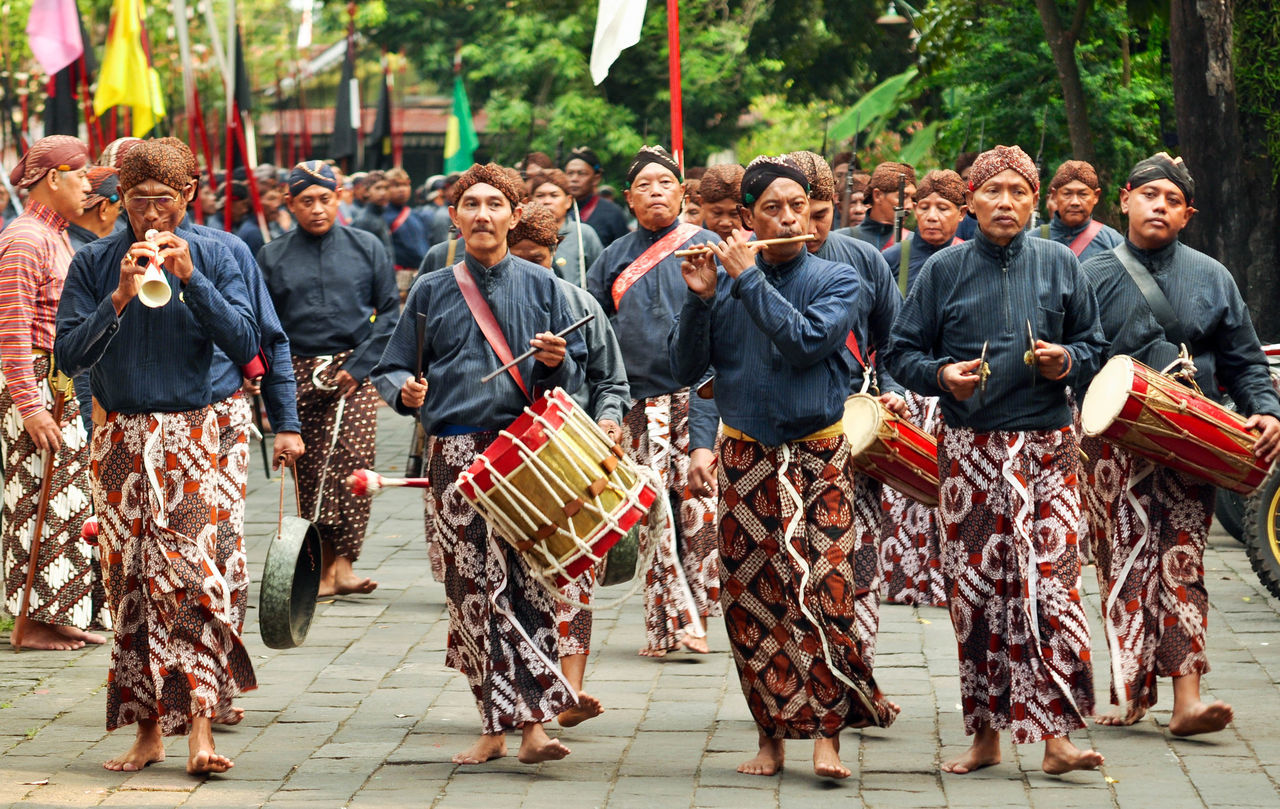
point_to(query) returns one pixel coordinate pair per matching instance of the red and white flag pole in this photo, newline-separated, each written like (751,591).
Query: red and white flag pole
(673,58)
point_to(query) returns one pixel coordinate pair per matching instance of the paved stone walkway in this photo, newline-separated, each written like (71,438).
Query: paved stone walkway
(366,715)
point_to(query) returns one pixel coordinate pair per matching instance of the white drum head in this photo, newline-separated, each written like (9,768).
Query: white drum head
(1107,395)
(862,416)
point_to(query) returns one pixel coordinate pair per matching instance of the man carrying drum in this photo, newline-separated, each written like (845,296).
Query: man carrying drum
(1150,561)
(502,623)
(1008,463)
(773,324)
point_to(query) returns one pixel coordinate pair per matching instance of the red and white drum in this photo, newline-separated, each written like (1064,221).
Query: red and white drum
(1149,414)
(555,487)
(892,450)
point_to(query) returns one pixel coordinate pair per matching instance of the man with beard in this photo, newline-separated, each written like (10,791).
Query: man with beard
(1008,464)
(34,259)
(1152,519)
(335,293)
(772,323)
(501,621)
(877,227)
(637,281)
(1073,193)
(584,173)
(579,245)
(720,189)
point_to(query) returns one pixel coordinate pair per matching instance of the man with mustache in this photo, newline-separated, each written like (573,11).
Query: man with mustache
(1073,193)
(772,324)
(1151,555)
(1008,463)
(637,282)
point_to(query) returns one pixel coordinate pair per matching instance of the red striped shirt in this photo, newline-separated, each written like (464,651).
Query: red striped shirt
(34,257)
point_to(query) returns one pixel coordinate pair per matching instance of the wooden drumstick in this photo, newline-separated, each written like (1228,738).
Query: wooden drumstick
(367,481)
(526,355)
(697,251)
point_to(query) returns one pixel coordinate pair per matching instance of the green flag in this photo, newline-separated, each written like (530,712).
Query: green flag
(460,140)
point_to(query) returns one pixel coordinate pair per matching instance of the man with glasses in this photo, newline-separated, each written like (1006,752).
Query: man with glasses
(34,256)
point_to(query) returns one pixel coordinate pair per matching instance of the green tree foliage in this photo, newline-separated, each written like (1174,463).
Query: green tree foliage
(1257,58)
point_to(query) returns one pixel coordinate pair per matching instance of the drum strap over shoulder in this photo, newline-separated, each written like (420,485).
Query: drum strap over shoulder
(1084,237)
(486,321)
(1154,296)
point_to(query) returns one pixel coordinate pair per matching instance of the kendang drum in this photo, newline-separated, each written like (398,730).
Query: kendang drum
(892,450)
(555,487)
(1152,415)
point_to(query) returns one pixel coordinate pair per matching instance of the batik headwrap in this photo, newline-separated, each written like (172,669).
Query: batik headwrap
(309,173)
(822,183)
(721,182)
(587,155)
(945,183)
(104,186)
(886,175)
(113,156)
(47,154)
(153,160)
(490,174)
(993,161)
(762,171)
(538,225)
(1074,171)
(652,154)
(555,177)
(1161,166)
(188,157)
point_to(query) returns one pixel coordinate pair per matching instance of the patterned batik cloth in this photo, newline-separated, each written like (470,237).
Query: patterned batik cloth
(235,417)
(502,623)
(176,652)
(343,515)
(867,575)
(1153,523)
(787,541)
(683,584)
(1010,508)
(66,572)
(573,623)
(434,558)
(910,550)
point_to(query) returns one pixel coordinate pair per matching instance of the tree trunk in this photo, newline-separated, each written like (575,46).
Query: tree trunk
(1062,44)
(1236,197)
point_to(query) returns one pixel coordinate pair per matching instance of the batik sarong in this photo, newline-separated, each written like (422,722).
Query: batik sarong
(787,546)
(573,623)
(683,584)
(339,435)
(176,652)
(502,623)
(867,523)
(62,591)
(235,418)
(1010,508)
(1153,523)
(910,550)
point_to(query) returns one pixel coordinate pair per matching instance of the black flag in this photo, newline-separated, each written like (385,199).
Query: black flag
(345,127)
(377,147)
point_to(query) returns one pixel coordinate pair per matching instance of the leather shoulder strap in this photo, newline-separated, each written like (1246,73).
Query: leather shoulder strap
(486,321)
(1082,239)
(400,219)
(1044,230)
(1155,297)
(904,266)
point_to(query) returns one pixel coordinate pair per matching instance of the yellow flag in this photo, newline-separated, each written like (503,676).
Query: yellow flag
(126,78)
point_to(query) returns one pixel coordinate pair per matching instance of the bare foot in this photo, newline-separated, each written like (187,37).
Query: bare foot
(207,762)
(769,759)
(486,748)
(230,715)
(1061,756)
(39,636)
(651,652)
(75,633)
(148,748)
(588,707)
(1200,718)
(984,752)
(694,644)
(536,746)
(826,759)
(1116,718)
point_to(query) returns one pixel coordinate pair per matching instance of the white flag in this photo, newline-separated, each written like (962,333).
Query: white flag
(618,24)
(304,29)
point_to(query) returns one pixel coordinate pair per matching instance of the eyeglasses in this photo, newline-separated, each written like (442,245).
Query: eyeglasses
(140,205)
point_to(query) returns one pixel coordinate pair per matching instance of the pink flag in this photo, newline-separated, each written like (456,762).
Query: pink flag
(54,29)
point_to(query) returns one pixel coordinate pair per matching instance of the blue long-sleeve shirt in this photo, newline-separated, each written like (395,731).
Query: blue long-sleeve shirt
(1062,233)
(919,252)
(607,218)
(875,309)
(333,293)
(775,337)
(980,292)
(644,319)
(525,299)
(410,241)
(605,395)
(153,360)
(1207,303)
(279,389)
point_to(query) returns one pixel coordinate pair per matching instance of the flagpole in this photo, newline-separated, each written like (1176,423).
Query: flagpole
(673,61)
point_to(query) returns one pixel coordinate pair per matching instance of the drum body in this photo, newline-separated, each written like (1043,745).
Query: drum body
(555,487)
(893,451)
(1158,418)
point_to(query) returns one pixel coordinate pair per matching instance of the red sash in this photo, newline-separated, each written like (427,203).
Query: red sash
(1079,243)
(486,321)
(955,241)
(649,259)
(400,219)
(851,343)
(892,240)
(585,211)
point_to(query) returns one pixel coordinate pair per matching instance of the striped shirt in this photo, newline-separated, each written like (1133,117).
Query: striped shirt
(34,257)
